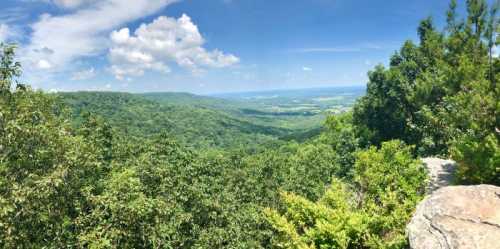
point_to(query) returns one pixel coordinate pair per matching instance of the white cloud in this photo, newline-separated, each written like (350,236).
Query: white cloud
(8,32)
(83,31)
(43,64)
(84,74)
(67,4)
(71,4)
(307,69)
(153,46)
(4,32)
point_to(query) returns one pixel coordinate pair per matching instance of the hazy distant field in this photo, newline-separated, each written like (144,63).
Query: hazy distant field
(297,108)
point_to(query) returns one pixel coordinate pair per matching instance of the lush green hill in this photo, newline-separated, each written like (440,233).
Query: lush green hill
(183,117)
(283,112)
(189,99)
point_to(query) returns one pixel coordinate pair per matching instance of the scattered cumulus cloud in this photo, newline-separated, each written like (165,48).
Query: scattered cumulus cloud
(165,40)
(307,69)
(43,64)
(84,74)
(81,32)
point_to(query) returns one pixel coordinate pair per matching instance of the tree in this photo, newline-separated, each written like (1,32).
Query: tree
(440,95)
(9,68)
(42,168)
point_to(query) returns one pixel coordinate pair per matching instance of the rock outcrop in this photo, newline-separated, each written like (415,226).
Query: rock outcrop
(440,172)
(457,217)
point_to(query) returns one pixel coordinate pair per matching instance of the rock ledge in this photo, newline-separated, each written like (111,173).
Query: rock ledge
(457,217)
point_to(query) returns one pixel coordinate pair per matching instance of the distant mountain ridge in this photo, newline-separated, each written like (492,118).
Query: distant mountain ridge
(291,93)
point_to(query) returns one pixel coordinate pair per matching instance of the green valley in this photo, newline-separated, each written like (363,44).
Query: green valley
(204,122)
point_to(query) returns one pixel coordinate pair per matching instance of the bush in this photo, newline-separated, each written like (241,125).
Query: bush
(372,212)
(478,160)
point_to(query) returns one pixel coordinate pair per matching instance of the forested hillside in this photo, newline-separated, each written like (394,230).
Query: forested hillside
(188,99)
(299,112)
(116,170)
(188,121)
(207,122)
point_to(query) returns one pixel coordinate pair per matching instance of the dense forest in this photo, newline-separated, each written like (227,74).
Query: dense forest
(189,124)
(115,170)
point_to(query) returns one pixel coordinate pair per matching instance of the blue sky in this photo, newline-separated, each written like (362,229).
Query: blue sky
(207,46)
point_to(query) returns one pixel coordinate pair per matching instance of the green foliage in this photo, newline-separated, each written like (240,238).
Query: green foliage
(9,68)
(388,169)
(304,169)
(441,95)
(331,222)
(168,197)
(371,213)
(381,113)
(479,160)
(60,188)
(193,126)
(91,187)
(340,135)
(42,171)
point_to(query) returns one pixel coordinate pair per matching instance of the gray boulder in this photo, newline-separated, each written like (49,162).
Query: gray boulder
(457,217)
